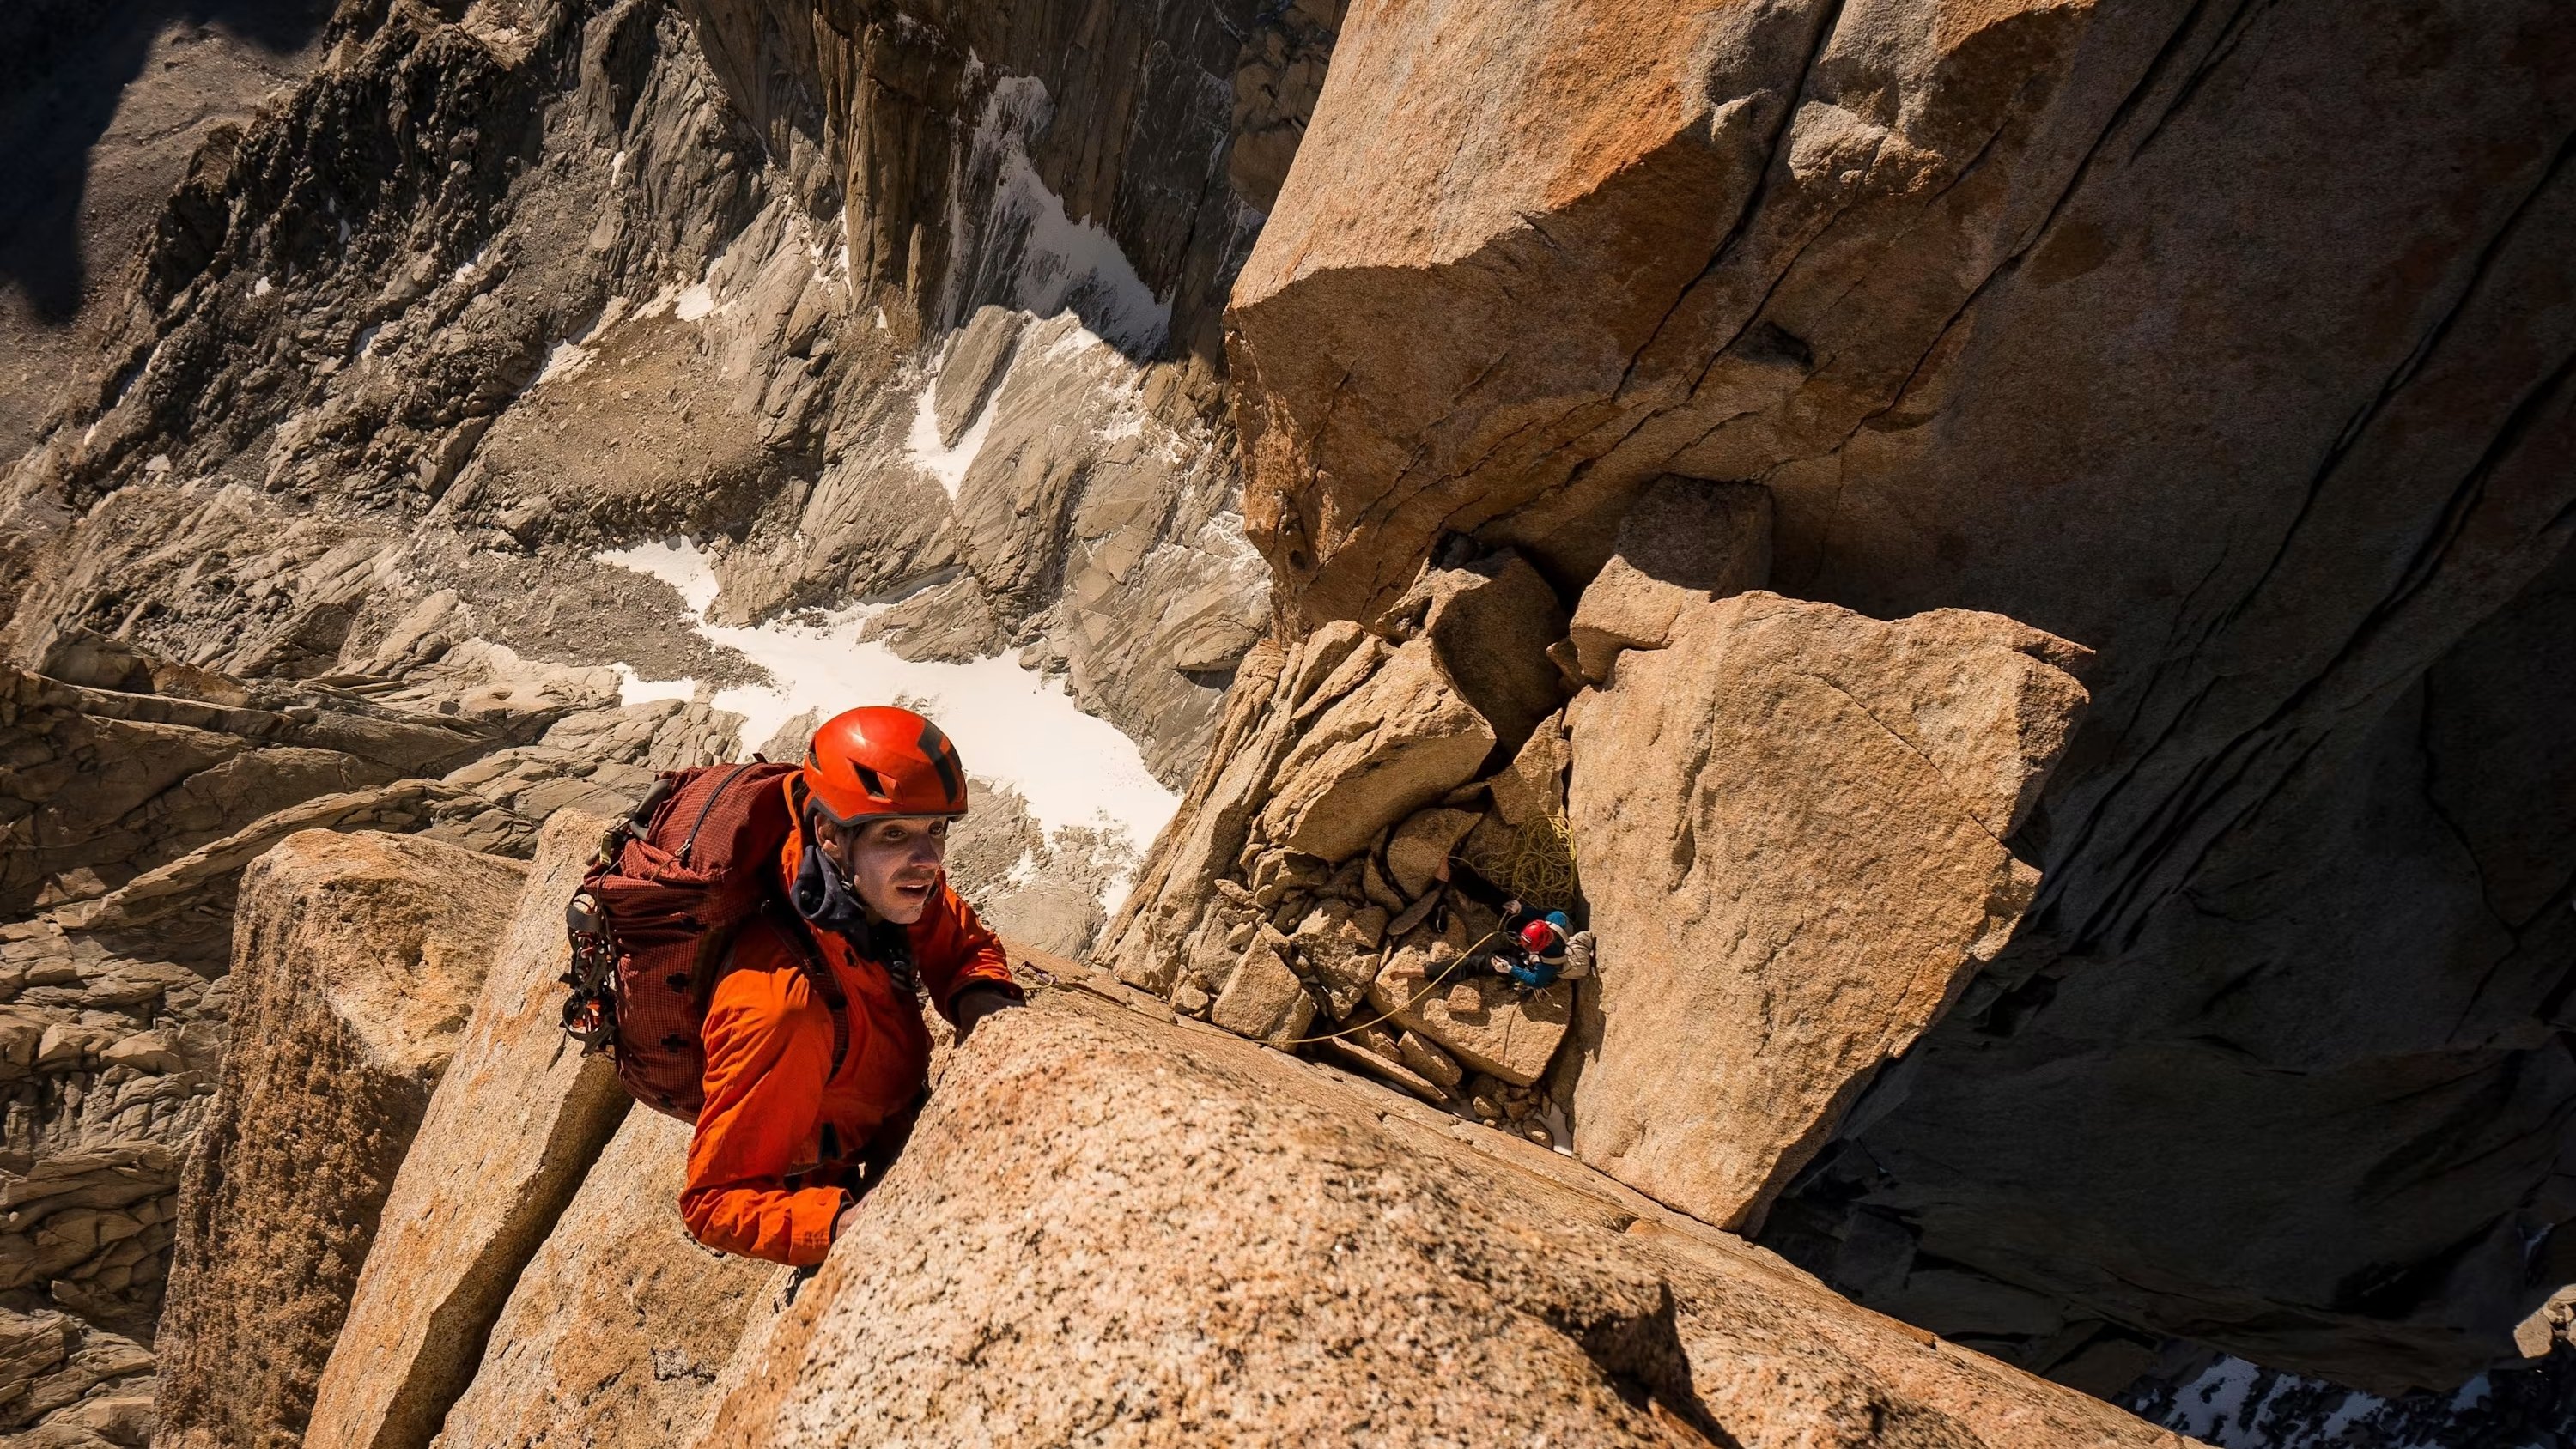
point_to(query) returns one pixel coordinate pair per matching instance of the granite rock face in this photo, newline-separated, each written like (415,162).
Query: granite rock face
(517,1120)
(2230,346)
(1080,1264)
(102,784)
(1485,1022)
(115,995)
(357,962)
(2228,342)
(1398,742)
(1791,821)
(617,1327)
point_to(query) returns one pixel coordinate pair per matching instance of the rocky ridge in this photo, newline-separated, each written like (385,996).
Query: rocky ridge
(119,990)
(2024,310)
(1064,1253)
(116,994)
(488,292)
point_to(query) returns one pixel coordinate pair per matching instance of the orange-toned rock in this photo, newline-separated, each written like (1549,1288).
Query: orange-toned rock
(1791,821)
(516,1122)
(1111,1229)
(618,1326)
(357,959)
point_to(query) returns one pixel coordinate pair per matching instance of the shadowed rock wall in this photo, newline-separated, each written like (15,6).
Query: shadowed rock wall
(2231,343)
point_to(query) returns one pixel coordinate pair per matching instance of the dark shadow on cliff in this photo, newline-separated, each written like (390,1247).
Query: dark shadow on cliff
(64,67)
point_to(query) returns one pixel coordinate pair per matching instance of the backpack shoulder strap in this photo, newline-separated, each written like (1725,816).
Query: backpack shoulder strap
(818,974)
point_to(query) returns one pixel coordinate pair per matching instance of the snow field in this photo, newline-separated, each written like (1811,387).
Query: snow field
(1010,725)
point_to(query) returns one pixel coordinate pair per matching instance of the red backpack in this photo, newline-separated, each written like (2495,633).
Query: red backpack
(655,919)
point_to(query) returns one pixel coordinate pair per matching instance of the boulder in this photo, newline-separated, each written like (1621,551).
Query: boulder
(1264,999)
(1480,1018)
(1153,935)
(1397,742)
(1394,1073)
(618,1326)
(1532,786)
(1117,1230)
(1338,943)
(1425,1057)
(516,1121)
(1420,847)
(1493,619)
(1792,842)
(1682,543)
(357,959)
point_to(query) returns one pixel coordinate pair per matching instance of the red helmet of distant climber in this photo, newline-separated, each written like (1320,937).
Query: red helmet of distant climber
(1541,937)
(881,760)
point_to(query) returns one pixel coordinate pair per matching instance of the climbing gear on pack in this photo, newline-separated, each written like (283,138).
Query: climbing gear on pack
(882,760)
(655,920)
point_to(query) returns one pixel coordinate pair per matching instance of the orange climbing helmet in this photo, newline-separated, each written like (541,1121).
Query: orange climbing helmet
(881,760)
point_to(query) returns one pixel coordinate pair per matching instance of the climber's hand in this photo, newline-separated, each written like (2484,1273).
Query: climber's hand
(977,1002)
(842,1224)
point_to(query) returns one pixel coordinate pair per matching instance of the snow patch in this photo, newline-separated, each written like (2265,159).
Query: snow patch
(1068,265)
(570,356)
(562,360)
(2214,1399)
(633,688)
(677,562)
(695,303)
(1029,252)
(944,463)
(1013,726)
(261,288)
(660,303)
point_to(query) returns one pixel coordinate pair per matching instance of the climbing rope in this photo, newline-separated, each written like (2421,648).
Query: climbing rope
(1534,864)
(1428,983)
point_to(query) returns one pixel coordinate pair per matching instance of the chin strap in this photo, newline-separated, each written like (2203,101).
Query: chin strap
(823,897)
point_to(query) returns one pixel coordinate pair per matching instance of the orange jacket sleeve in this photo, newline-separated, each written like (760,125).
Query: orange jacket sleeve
(769,1047)
(953,950)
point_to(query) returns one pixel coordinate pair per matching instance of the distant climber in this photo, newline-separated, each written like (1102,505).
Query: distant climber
(1534,948)
(1538,950)
(786,1142)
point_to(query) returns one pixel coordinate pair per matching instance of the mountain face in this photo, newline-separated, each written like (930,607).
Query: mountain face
(2009,562)
(2224,343)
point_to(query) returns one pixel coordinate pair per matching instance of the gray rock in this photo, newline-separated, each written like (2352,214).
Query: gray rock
(976,358)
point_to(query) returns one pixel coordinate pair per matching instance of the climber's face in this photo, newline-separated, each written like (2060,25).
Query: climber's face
(894,862)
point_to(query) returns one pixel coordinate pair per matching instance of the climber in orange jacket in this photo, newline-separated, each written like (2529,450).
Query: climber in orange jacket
(786,1143)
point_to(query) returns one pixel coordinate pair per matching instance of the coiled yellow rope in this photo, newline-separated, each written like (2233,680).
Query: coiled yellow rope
(1536,865)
